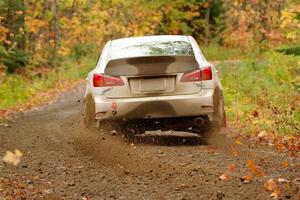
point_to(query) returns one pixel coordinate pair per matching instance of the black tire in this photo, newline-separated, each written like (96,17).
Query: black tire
(219,112)
(89,112)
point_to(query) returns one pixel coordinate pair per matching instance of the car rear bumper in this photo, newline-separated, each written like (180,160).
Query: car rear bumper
(155,107)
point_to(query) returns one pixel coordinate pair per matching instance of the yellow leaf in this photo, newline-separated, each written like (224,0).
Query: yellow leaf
(13,158)
(238,141)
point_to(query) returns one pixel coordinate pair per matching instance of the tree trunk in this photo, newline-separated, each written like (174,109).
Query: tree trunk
(22,40)
(207,29)
(74,6)
(56,31)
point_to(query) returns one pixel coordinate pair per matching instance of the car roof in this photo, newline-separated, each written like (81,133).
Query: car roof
(155,38)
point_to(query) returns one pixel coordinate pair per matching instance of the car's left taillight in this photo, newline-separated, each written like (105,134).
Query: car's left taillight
(101,80)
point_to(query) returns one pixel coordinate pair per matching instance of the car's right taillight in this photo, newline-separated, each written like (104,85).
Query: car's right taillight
(100,80)
(203,74)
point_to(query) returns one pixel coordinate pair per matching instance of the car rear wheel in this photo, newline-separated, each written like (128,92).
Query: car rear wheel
(219,112)
(89,112)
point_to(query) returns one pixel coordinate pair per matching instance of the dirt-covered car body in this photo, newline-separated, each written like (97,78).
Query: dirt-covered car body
(153,77)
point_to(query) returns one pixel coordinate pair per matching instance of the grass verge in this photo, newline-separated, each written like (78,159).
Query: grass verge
(263,95)
(218,53)
(36,87)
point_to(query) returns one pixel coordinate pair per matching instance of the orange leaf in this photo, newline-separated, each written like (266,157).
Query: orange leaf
(238,141)
(293,154)
(223,177)
(270,185)
(253,168)
(211,149)
(280,146)
(285,164)
(231,167)
(234,152)
(247,178)
(275,194)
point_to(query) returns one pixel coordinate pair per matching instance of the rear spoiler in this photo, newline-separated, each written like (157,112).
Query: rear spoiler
(151,65)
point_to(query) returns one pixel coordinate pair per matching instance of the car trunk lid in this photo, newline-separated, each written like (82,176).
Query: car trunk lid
(152,76)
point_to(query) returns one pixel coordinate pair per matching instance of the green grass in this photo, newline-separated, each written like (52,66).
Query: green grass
(269,86)
(16,89)
(214,52)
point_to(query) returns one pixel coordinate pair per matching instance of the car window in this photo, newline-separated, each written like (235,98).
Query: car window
(161,48)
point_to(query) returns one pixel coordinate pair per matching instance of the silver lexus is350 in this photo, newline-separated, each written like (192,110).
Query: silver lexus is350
(163,78)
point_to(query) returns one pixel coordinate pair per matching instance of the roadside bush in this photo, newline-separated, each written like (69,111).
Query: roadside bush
(290,50)
(14,59)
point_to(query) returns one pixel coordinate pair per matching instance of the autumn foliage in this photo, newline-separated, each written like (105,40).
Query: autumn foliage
(261,22)
(39,33)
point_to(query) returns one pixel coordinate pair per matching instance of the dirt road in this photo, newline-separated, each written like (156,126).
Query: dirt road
(62,160)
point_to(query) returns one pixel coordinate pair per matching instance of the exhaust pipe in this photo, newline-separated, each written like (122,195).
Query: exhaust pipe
(199,121)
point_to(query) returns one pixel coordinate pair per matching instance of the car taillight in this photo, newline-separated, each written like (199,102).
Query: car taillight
(206,74)
(191,76)
(100,80)
(198,75)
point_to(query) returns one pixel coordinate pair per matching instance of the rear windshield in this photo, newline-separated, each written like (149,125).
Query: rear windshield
(161,48)
(151,65)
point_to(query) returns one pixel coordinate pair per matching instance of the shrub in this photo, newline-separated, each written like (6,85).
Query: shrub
(14,59)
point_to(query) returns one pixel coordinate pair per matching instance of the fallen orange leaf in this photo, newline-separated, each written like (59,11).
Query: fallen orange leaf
(247,178)
(293,154)
(238,141)
(234,152)
(280,146)
(275,194)
(270,185)
(231,167)
(211,149)
(285,164)
(253,168)
(223,177)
